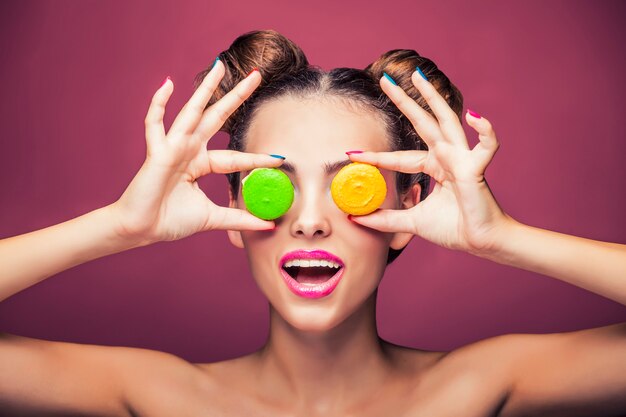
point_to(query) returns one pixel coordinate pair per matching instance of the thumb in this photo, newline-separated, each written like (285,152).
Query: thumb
(387,220)
(224,218)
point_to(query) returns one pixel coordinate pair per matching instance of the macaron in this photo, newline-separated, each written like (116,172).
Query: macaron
(267,193)
(358,188)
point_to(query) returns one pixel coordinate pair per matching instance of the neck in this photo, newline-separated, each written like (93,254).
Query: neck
(324,370)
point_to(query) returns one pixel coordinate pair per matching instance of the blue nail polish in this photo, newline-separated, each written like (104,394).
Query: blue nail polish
(277,156)
(421,73)
(215,62)
(389,78)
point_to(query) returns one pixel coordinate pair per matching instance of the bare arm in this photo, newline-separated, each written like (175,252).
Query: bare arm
(594,265)
(41,377)
(581,373)
(30,258)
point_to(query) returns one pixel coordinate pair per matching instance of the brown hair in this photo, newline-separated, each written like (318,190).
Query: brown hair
(286,72)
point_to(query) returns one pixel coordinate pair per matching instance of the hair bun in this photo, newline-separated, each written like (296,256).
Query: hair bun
(272,53)
(400,65)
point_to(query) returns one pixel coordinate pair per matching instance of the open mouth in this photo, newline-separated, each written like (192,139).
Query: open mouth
(311,272)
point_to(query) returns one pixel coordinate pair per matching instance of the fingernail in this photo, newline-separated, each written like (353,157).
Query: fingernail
(277,156)
(473,114)
(253,69)
(164,81)
(351,152)
(269,228)
(421,73)
(215,62)
(389,78)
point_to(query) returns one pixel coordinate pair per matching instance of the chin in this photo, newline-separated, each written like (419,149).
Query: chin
(321,317)
(311,318)
(314,324)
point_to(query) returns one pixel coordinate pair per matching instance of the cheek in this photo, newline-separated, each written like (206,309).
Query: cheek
(255,242)
(369,259)
(391,200)
(257,248)
(368,246)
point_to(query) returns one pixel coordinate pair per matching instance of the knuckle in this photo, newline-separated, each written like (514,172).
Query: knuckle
(210,90)
(240,96)
(448,123)
(210,162)
(414,119)
(405,101)
(488,128)
(221,114)
(155,105)
(195,107)
(429,95)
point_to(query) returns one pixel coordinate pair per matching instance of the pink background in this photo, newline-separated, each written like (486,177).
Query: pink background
(77,78)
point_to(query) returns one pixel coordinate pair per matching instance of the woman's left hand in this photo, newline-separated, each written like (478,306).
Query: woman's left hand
(461,212)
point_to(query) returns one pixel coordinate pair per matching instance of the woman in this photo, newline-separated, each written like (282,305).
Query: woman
(323,355)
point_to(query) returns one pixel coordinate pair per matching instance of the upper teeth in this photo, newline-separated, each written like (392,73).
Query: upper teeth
(311,262)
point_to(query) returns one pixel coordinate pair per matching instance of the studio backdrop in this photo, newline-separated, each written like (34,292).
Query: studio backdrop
(77,78)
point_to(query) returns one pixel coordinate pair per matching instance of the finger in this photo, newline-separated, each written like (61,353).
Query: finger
(222,161)
(226,218)
(215,116)
(425,125)
(488,144)
(410,162)
(187,120)
(448,120)
(387,220)
(154,118)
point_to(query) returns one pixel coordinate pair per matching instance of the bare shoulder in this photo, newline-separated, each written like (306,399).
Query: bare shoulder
(64,378)
(476,375)
(528,374)
(578,373)
(156,383)
(153,383)
(162,384)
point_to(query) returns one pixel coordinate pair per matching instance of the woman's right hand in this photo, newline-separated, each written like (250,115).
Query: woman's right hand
(164,202)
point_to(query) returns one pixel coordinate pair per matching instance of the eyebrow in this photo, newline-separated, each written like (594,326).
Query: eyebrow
(329,167)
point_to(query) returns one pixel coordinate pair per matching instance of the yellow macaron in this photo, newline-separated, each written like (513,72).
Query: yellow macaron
(358,188)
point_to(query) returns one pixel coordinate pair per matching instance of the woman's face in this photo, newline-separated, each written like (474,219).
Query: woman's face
(310,133)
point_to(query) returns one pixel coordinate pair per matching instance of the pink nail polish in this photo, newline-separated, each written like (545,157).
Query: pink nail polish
(253,69)
(351,152)
(473,114)
(164,81)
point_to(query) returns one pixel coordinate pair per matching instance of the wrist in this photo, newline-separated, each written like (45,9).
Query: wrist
(497,249)
(121,235)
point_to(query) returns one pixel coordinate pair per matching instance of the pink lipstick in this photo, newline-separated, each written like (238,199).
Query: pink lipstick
(311,273)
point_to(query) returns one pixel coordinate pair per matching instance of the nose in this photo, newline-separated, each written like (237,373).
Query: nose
(309,215)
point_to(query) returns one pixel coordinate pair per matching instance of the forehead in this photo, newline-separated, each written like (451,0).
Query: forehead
(314,126)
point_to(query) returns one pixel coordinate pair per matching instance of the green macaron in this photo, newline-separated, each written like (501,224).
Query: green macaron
(267,193)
